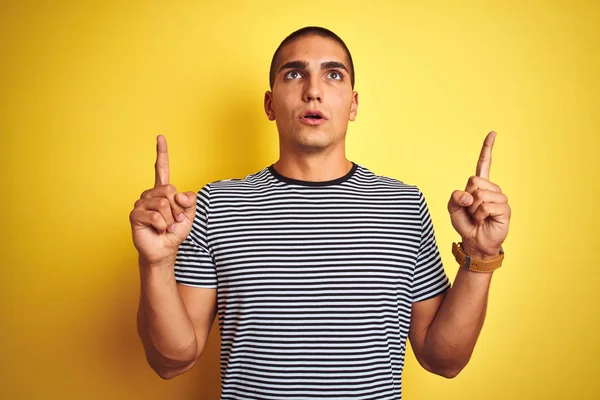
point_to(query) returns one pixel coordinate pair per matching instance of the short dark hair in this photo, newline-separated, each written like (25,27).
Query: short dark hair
(310,31)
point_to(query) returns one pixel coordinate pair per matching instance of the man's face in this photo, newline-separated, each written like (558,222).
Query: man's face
(312,98)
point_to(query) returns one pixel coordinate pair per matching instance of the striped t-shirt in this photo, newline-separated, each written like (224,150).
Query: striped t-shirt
(315,281)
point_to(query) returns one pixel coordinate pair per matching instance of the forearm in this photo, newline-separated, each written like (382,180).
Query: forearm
(451,337)
(164,325)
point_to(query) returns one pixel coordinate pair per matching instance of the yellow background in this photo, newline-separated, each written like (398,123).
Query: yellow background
(85,87)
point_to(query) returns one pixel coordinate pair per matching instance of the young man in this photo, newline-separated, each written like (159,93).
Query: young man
(318,268)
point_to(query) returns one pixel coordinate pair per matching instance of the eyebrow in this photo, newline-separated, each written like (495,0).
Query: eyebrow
(304,65)
(333,64)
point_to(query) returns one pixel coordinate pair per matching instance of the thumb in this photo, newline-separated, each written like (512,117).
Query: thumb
(459,214)
(459,200)
(187,200)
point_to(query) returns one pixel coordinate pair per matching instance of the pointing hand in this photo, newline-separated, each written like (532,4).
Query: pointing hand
(162,218)
(480,213)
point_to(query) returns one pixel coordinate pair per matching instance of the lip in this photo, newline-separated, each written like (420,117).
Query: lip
(310,121)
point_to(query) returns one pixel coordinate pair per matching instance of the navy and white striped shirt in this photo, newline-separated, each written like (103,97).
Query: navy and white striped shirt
(315,281)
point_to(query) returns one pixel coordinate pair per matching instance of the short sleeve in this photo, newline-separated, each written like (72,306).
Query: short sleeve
(194,265)
(430,279)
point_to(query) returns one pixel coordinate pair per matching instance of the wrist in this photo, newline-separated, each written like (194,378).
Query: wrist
(474,263)
(473,252)
(163,263)
(157,271)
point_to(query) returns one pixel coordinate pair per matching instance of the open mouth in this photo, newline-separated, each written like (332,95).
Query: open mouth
(314,115)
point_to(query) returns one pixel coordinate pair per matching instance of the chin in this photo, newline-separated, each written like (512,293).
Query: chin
(315,142)
(311,139)
(312,148)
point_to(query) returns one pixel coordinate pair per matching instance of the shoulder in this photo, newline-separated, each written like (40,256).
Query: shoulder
(251,183)
(367,179)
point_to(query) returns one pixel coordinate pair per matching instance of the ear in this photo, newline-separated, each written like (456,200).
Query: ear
(269,105)
(354,107)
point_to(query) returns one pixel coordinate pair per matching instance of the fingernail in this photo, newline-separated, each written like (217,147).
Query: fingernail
(180,217)
(171,228)
(464,199)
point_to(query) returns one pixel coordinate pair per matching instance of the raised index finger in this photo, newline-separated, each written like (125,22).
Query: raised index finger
(161,168)
(485,157)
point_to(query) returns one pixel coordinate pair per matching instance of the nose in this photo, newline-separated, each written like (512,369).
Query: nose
(312,90)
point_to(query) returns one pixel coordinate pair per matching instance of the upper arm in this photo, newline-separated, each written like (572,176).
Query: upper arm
(422,315)
(201,306)
(195,272)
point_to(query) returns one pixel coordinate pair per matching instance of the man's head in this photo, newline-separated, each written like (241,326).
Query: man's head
(312,97)
(309,31)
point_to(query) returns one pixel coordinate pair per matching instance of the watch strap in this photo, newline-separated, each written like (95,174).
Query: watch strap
(476,264)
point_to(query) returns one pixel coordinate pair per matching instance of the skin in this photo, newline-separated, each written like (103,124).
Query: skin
(444,330)
(174,320)
(312,73)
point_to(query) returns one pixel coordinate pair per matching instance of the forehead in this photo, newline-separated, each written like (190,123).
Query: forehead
(313,49)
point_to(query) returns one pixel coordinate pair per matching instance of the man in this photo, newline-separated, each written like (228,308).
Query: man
(319,269)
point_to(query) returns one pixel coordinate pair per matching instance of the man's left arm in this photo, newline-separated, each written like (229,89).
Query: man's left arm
(444,329)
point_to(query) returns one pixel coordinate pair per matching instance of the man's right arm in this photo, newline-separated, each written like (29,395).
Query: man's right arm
(173,320)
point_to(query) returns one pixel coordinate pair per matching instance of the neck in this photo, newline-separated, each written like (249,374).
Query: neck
(316,167)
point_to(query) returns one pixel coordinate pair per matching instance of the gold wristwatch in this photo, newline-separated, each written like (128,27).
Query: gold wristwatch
(476,264)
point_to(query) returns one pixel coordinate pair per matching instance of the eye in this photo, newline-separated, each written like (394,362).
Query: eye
(293,75)
(335,75)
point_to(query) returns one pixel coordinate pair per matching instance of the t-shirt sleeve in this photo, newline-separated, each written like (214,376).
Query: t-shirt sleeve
(430,279)
(194,265)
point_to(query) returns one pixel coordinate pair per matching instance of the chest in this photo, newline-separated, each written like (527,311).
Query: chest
(316,244)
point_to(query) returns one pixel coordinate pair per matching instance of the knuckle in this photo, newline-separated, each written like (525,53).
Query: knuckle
(156,218)
(170,189)
(150,193)
(163,202)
